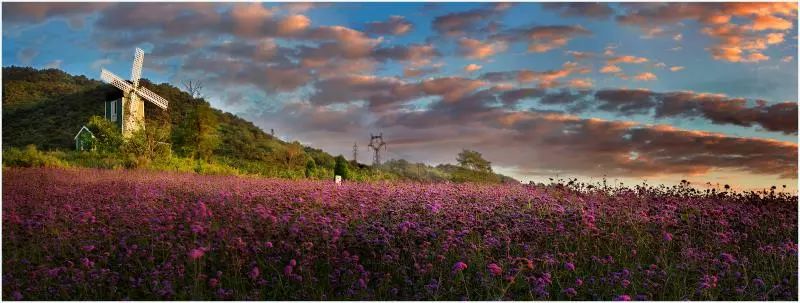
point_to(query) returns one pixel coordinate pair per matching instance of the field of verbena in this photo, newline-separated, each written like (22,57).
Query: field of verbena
(105,234)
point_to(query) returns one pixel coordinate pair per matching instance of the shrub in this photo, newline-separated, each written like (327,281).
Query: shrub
(341,168)
(31,157)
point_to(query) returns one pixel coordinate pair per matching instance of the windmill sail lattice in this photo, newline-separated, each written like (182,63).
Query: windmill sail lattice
(132,106)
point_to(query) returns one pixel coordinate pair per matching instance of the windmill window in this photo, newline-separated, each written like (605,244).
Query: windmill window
(113,111)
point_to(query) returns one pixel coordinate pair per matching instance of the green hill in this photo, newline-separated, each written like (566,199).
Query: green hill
(46,108)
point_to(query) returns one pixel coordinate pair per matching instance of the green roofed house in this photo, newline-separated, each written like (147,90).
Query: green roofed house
(85,139)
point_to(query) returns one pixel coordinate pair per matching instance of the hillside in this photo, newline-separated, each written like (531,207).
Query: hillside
(47,107)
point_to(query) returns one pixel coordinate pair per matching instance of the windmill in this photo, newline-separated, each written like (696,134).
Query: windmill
(130,108)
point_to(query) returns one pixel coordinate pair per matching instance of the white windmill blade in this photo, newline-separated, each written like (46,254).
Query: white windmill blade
(112,79)
(136,71)
(152,97)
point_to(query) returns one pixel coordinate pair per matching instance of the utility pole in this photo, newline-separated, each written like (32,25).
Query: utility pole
(376,143)
(355,152)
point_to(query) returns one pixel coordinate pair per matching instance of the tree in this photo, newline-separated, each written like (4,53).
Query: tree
(341,167)
(311,167)
(293,152)
(197,134)
(107,134)
(194,88)
(473,160)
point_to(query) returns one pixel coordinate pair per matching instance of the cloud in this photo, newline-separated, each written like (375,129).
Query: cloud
(462,23)
(475,49)
(472,67)
(627,59)
(610,69)
(511,97)
(544,142)
(718,109)
(580,83)
(248,18)
(299,7)
(396,25)
(580,55)
(412,72)
(33,13)
(97,64)
(646,76)
(293,24)
(542,39)
(676,68)
(582,9)
(787,59)
(416,54)
(737,27)
(385,93)
(26,55)
(379,92)
(54,64)
(545,79)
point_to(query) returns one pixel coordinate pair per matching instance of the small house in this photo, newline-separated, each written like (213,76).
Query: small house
(85,139)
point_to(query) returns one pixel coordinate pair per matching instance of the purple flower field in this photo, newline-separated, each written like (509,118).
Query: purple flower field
(83,234)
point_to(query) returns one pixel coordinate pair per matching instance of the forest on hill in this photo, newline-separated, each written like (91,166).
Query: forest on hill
(44,109)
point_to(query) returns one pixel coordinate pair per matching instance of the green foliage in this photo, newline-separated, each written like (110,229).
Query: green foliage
(414,171)
(107,135)
(196,136)
(342,168)
(145,145)
(473,160)
(311,167)
(30,157)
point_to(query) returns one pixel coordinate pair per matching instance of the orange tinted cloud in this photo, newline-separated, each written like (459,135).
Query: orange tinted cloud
(739,28)
(472,67)
(646,76)
(475,49)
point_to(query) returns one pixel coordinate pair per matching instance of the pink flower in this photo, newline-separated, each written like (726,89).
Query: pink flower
(570,292)
(269,245)
(254,273)
(459,266)
(88,248)
(288,270)
(625,283)
(495,269)
(293,262)
(197,253)
(578,282)
(87,263)
(622,298)
(667,237)
(569,266)
(213,282)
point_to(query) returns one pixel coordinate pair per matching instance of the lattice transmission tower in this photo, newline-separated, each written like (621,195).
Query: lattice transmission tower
(376,143)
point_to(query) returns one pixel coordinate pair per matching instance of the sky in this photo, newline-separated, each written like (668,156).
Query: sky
(631,92)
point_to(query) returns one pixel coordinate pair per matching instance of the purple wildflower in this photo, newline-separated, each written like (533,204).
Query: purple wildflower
(459,266)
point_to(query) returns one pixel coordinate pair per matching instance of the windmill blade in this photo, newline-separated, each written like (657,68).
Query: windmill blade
(152,97)
(136,71)
(112,79)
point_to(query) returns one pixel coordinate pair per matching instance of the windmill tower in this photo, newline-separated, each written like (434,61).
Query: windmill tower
(128,111)
(376,143)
